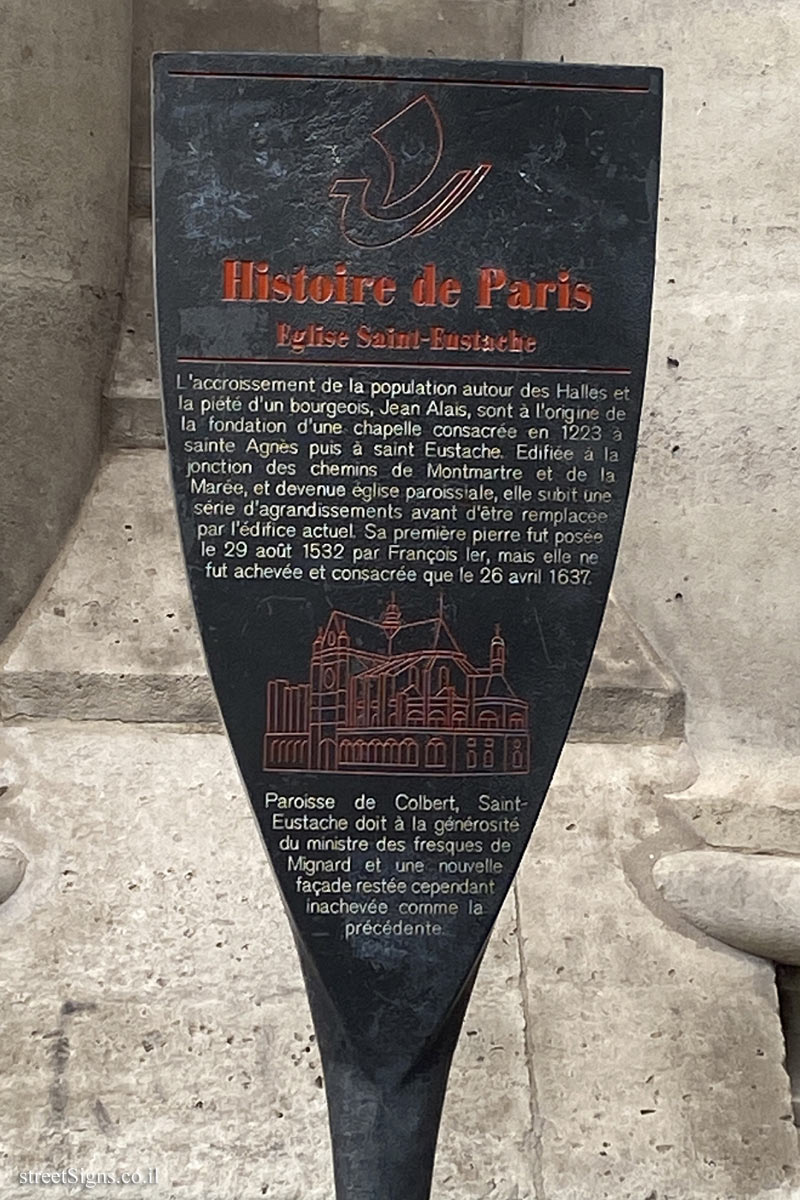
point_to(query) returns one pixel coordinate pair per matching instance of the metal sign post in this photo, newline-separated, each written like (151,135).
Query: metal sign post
(403,312)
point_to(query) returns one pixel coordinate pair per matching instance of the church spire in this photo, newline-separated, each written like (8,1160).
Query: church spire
(392,618)
(497,654)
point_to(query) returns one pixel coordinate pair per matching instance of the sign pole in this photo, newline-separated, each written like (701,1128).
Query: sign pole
(403,314)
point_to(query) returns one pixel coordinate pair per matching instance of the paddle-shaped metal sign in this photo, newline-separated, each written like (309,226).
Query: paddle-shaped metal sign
(403,314)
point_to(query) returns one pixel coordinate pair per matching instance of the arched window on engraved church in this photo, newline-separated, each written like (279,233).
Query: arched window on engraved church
(409,752)
(435,753)
(328,754)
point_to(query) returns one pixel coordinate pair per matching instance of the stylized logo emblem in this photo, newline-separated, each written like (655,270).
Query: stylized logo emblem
(413,142)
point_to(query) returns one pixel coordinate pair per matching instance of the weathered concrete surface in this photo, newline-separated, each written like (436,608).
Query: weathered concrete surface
(113,636)
(266,25)
(657,1053)
(749,901)
(708,564)
(153,1006)
(448,29)
(64,84)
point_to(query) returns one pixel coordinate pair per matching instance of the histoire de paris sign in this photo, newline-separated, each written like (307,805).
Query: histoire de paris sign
(403,312)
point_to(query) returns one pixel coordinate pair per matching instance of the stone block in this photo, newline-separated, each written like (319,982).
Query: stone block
(750,901)
(657,1055)
(113,636)
(449,29)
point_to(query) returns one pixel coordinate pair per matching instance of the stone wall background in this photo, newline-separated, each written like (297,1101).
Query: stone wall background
(64,95)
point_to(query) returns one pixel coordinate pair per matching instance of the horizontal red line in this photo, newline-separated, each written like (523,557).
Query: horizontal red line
(338,362)
(565,87)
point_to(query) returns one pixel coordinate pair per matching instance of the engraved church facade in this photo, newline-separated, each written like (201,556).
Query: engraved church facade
(395,697)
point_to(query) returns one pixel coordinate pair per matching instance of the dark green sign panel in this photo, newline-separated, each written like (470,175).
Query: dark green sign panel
(403,313)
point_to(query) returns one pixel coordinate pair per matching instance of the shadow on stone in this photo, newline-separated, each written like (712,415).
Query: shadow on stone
(13,864)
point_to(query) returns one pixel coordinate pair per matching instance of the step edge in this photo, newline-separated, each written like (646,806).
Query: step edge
(181,699)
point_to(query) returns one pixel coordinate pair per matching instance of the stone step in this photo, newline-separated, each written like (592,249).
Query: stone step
(133,397)
(111,634)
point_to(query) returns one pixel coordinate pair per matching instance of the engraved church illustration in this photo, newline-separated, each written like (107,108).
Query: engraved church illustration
(391,697)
